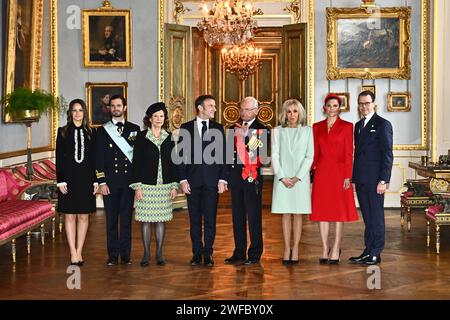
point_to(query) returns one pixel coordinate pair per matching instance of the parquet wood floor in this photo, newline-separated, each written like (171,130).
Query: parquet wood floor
(409,270)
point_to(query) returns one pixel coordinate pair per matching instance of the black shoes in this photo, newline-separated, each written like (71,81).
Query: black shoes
(250,262)
(126,261)
(325,260)
(208,261)
(359,259)
(290,261)
(234,260)
(144,263)
(335,261)
(285,262)
(196,260)
(371,261)
(111,262)
(160,261)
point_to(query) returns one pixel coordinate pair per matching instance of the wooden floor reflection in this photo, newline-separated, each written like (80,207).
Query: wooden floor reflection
(409,270)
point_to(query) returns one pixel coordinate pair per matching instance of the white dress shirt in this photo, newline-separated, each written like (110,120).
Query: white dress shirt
(368,117)
(200,125)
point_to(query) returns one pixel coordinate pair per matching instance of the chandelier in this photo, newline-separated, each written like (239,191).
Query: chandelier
(229,22)
(242,60)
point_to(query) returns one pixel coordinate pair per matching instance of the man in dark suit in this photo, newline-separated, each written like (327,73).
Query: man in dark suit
(203,175)
(114,156)
(250,139)
(372,168)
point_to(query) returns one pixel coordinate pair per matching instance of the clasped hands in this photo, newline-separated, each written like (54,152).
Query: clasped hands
(64,190)
(138,194)
(221,187)
(290,182)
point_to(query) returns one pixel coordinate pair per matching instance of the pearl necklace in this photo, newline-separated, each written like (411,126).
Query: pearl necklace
(79,159)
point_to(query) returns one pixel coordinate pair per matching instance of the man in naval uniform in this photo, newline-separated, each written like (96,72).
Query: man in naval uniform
(114,157)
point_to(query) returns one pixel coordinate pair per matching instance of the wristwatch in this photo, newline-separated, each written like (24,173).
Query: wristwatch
(382,182)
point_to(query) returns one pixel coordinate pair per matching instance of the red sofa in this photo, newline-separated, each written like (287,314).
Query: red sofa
(17,216)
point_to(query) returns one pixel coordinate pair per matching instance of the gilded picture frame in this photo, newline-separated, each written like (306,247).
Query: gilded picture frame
(345,97)
(369,87)
(399,101)
(107,41)
(98,95)
(368,43)
(23,47)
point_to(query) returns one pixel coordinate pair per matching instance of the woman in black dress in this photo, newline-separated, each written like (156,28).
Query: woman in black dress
(75,173)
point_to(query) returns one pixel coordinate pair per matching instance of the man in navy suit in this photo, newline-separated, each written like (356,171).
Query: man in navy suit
(114,156)
(372,168)
(203,175)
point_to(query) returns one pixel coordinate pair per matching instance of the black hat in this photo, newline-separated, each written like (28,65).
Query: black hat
(155,107)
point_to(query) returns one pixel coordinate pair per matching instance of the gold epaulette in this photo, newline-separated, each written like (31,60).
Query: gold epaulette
(99,174)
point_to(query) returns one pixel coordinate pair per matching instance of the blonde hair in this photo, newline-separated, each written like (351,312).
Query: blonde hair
(298,106)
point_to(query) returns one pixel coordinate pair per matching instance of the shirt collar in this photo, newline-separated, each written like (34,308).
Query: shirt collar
(115,121)
(249,122)
(200,120)
(368,117)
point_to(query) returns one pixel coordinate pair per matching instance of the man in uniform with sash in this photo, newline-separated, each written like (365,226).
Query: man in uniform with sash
(250,139)
(114,157)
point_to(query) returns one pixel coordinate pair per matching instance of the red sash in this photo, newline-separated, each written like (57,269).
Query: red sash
(250,170)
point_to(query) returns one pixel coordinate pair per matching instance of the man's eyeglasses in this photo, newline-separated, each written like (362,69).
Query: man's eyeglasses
(364,104)
(248,110)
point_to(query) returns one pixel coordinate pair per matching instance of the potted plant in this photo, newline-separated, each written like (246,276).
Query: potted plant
(25,105)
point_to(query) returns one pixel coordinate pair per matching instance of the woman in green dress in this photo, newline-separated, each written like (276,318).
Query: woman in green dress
(292,156)
(155,179)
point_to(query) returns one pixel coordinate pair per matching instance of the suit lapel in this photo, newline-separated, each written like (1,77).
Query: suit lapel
(366,129)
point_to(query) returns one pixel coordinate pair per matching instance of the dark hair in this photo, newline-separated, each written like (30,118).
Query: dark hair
(85,123)
(367,93)
(201,100)
(118,96)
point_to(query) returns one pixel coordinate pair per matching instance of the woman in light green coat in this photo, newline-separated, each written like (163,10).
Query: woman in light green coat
(292,156)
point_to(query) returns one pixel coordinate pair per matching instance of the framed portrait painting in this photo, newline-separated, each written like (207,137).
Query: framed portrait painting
(369,87)
(369,43)
(98,96)
(399,101)
(345,97)
(22,47)
(107,38)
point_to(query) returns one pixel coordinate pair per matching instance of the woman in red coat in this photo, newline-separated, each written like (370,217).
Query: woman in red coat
(332,191)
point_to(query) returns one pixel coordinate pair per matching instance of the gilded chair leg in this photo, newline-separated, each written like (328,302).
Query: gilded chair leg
(42,234)
(53,227)
(60,223)
(13,250)
(428,233)
(408,217)
(438,239)
(402,215)
(29,242)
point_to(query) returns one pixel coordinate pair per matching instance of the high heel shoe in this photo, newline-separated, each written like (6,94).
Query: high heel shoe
(294,261)
(287,262)
(335,261)
(325,260)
